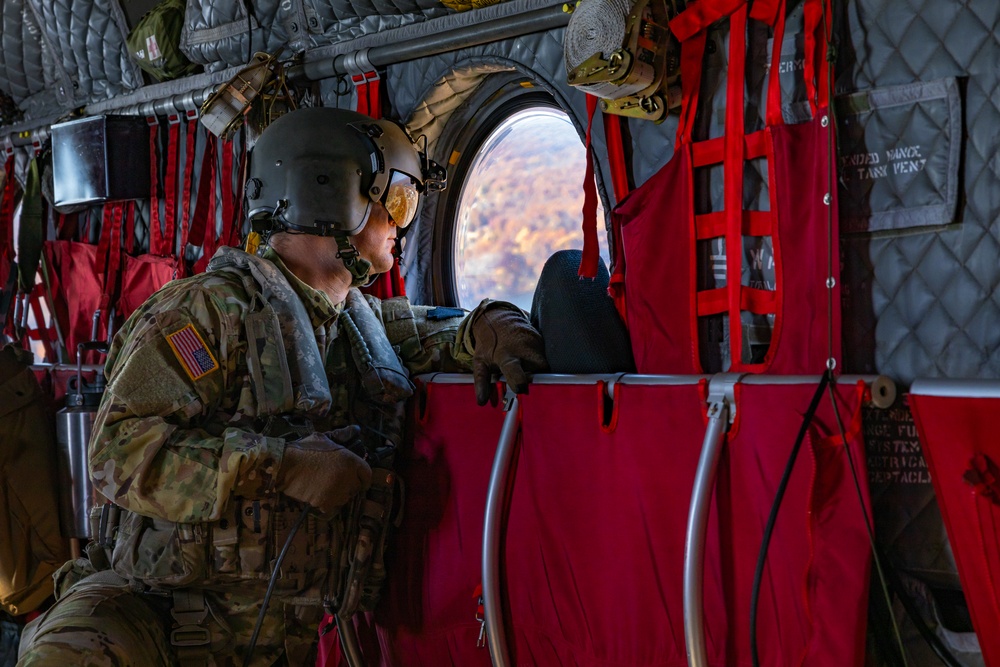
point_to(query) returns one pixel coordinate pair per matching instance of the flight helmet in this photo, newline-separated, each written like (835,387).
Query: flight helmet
(318,170)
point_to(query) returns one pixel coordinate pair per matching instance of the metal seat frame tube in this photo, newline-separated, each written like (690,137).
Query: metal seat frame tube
(500,482)
(694,543)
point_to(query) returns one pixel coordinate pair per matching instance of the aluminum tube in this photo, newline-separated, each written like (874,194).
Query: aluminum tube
(950,388)
(658,380)
(694,543)
(349,642)
(496,493)
(557,378)
(67,367)
(538,20)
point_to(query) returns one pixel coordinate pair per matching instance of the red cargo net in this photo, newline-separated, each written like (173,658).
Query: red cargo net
(661,226)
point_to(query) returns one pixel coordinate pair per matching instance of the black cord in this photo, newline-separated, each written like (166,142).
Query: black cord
(270,586)
(929,636)
(779,495)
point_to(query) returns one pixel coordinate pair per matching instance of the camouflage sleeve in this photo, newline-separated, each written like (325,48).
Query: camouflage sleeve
(429,339)
(161,444)
(432,338)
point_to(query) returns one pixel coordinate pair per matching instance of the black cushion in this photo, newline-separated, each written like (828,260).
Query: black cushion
(582,330)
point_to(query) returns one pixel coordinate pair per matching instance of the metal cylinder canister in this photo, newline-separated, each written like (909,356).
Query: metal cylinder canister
(74,424)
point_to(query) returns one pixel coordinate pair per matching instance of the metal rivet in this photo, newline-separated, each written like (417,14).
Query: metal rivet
(375,190)
(824,121)
(831,282)
(826,199)
(277,163)
(322,179)
(831,363)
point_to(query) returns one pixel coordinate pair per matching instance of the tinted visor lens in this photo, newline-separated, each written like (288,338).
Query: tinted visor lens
(402,198)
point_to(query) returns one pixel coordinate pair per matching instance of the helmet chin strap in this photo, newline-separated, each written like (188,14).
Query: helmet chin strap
(360,268)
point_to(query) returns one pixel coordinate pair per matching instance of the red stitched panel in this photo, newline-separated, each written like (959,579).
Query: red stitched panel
(958,436)
(595,537)
(657,222)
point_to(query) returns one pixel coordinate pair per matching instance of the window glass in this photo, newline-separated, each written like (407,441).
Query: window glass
(521,201)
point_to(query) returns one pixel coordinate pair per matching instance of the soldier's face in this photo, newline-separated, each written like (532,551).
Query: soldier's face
(376,241)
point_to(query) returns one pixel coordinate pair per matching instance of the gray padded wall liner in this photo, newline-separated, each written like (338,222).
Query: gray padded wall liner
(923,302)
(538,56)
(926,304)
(26,69)
(90,40)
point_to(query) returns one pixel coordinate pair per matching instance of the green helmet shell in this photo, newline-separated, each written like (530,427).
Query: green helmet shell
(319,169)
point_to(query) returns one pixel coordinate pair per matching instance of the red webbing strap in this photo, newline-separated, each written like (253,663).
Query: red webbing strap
(591,254)
(689,27)
(816,74)
(369,102)
(692,55)
(43,334)
(228,207)
(700,15)
(7,212)
(66,226)
(733,176)
(616,155)
(773,113)
(155,233)
(620,182)
(109,255)
(188,178)
(130,236)
(168,239)
(236,224)
(203,219)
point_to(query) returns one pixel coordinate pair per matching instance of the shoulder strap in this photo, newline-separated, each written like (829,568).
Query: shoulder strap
(305,364)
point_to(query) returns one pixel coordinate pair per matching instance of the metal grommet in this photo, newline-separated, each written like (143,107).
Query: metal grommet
(824,121)
(883,392)
(831,364)
(831,282)
(826,199)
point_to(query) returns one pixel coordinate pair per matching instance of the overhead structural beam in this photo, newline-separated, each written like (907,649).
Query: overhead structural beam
(184,94)
(526,23)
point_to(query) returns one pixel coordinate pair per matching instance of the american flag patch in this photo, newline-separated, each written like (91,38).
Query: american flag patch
(192,353)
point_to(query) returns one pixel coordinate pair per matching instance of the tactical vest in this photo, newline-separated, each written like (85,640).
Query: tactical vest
(338,562)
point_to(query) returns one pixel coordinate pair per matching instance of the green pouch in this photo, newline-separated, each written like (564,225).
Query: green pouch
(154,43)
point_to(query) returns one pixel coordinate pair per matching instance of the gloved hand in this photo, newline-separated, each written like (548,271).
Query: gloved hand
(505,342)
(320,471)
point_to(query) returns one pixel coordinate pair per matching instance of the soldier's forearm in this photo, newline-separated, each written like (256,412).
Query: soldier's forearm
(181,474)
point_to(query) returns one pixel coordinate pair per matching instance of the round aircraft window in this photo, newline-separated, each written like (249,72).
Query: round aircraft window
(520,199)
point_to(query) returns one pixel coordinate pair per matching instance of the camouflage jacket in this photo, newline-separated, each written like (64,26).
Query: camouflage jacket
(206,380)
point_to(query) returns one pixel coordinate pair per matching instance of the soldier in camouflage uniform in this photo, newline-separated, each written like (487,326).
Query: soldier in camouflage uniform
(242,397)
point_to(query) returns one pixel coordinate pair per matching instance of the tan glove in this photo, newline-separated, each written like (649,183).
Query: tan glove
(320,471)
(505,342)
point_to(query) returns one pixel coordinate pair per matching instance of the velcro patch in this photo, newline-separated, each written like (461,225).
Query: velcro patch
(442,313)
(191,351)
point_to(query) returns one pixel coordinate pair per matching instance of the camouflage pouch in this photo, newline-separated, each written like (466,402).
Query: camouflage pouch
(154,44)
(71,572)
(159,553)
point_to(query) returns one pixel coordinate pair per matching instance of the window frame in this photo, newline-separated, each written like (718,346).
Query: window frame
(513,96)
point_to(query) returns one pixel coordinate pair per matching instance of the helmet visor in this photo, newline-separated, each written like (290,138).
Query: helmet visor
(402,198)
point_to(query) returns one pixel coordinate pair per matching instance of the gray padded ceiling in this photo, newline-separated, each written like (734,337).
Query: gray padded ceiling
(89,38)
(926,304)
(27,71)
(21,67)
